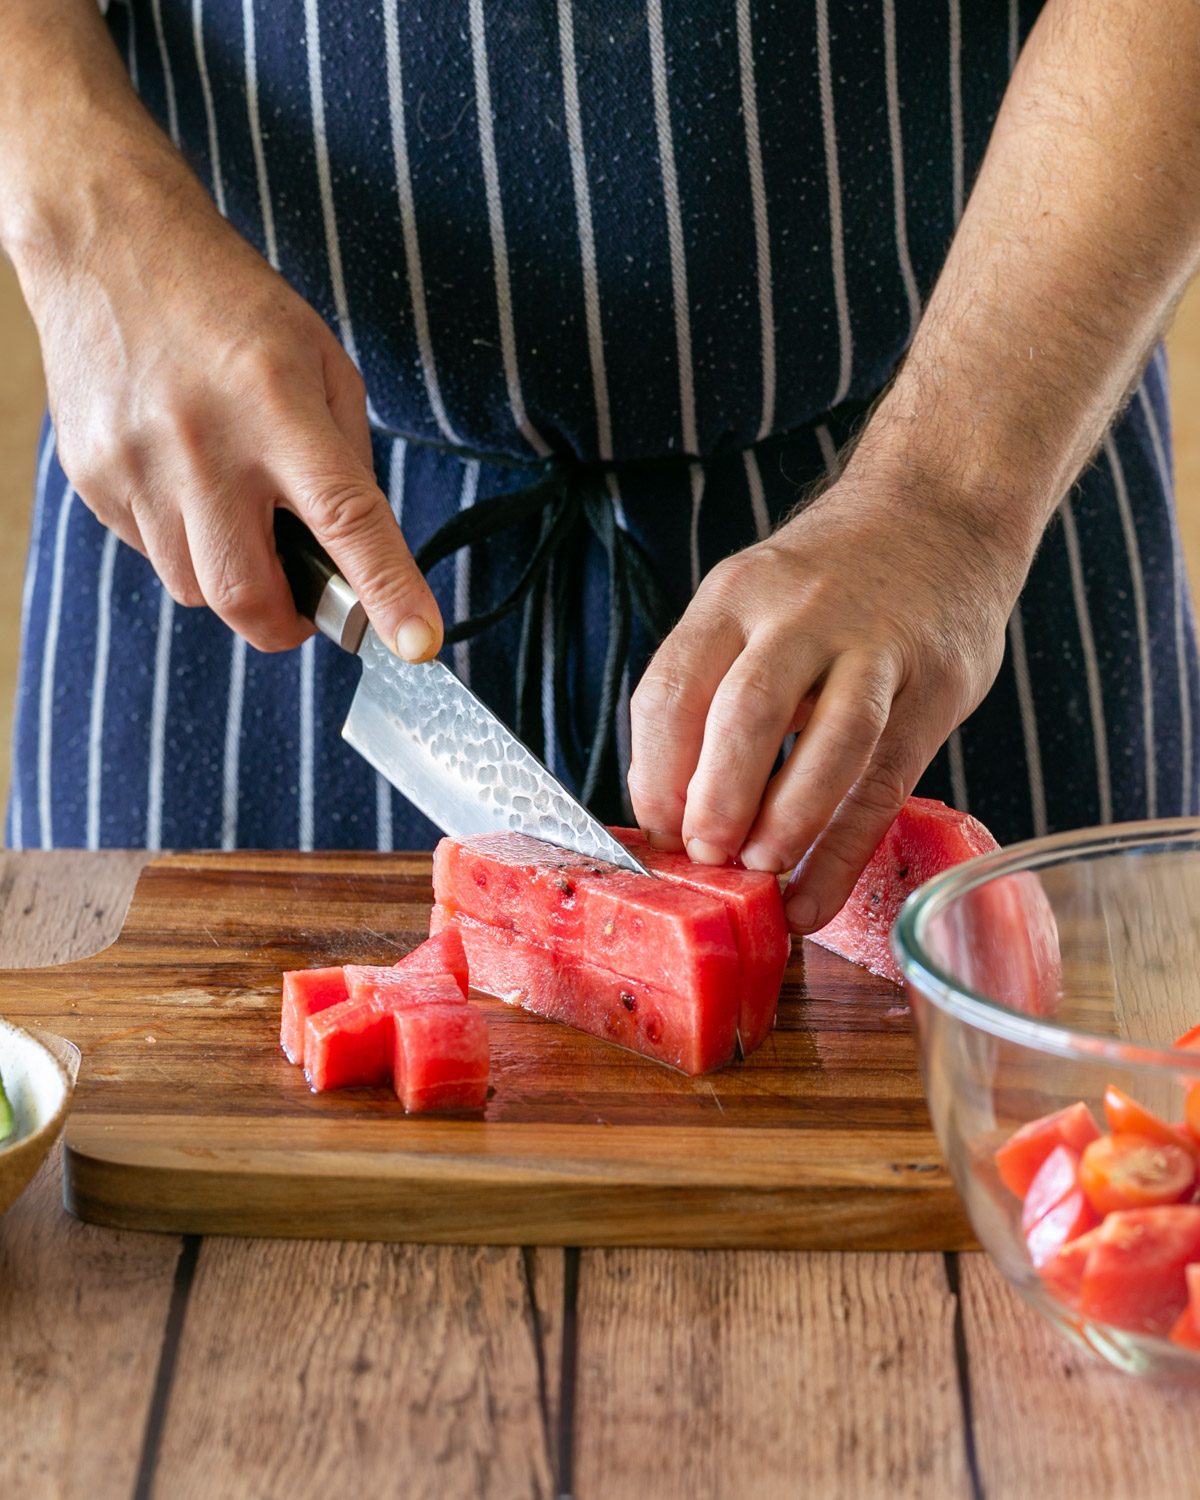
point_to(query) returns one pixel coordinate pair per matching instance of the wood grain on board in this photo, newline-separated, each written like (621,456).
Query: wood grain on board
(188,1118)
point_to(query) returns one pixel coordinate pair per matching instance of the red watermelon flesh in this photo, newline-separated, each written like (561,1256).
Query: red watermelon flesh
(439,955)
(305,992)
(1000,939)
(644,929)
(673,1028)
(441,1057)
(755,908)
(353,1044)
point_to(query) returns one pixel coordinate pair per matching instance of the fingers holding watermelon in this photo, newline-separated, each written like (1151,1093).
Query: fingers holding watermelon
(807,632)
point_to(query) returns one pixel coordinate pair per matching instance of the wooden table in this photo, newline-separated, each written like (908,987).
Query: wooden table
(147,1365)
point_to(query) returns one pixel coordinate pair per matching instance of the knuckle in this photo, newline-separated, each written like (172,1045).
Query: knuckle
(752,708)
(341,508)
(725,585)
(666,692)
(716,823)
(880,792)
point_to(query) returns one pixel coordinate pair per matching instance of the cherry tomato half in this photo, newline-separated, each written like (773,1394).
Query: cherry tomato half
(1135,1171)
(1126,1116)
(1018,1160)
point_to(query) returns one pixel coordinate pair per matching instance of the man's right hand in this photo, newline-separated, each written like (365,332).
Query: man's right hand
(192,390)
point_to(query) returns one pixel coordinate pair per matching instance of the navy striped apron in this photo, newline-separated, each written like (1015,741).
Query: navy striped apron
(677,249)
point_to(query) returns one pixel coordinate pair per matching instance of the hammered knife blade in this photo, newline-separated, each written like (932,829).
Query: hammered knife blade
(423,729)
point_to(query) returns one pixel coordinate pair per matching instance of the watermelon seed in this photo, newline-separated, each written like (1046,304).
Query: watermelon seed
(627,1000)
(564,885)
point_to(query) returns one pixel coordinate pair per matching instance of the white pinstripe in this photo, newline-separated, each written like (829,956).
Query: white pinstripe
(408,222)
(158,718)
(108,558)
(696,475)
(670,182)
(1180,589)
(333,248)
(462,572)
(168,78)
(49,662)
(230,781)
(304,820)
(828,451)
(396,464)
(1014,32)
(495,207)
(16,802)
(583,218)
(958,772)
(1091,665)
(383,814)
(758,502)
(956,114)
(214,149)
(1138,583)
(899,201)
(758,198)
(624,748)
(1029,731)
(132,52)
(837,249)
(256,140)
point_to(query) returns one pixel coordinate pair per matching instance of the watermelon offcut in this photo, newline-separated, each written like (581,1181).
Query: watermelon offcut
(999,939)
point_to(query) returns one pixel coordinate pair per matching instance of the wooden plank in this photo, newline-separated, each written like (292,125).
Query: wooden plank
(188,1117)
(1052,1421)
(311,1370)
(81,1309)
(715,1374)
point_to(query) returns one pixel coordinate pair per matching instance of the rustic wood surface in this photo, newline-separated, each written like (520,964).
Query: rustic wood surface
(138,1365)
(188,1118)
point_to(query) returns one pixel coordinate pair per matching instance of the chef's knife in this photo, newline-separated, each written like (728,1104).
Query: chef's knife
(423,729)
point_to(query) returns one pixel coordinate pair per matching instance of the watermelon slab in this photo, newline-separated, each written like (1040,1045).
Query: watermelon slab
(353,1044)
(1001,939)
(651,930)
(670,1027)
(441,1058)
(755,908)
(305,992)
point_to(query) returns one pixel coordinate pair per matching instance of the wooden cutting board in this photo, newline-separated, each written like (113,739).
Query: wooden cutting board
(188,1118)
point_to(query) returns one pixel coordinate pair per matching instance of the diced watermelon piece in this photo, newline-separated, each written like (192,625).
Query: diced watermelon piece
(441,1058)
(1135,1275)
(443,954)
(1057,1177)
(1187,1327)
(305,992)
(347,1045)
(1063,1275)
(673,1028)
(354,1043)
(1000,939)
(755,908)
(1071,1217)
(1021,1156)
(649,930)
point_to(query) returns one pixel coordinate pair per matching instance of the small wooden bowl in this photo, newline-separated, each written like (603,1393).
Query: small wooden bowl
(39,1072)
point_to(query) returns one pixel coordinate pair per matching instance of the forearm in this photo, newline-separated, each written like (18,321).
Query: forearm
(78,152)
(1080,235)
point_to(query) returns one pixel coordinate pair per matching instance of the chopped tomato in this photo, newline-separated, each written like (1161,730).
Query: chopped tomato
(1018,1160)
(1189,1041)
(1064,1274)
(1127,1117)
(1057,1176)
(1187,1327)
(1070,1217)
(1135,1171)
(1135,1273)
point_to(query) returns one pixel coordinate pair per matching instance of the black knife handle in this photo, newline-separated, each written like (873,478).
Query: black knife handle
(319,591)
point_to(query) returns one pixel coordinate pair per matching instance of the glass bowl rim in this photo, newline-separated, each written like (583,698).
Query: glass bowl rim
(933,983)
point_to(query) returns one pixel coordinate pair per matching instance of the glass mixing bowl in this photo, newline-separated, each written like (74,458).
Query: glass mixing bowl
(1040,975)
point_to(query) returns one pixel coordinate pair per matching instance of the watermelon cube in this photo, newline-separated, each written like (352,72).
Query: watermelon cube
(347,1045)
(443,954)
(393,988)
(755,909)
(680,1029)
(305,992)
(441,1058)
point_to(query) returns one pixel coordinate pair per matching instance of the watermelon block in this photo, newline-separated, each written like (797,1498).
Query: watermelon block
(1000,940)
(441,1057)
(755,908)
(643,929)
(394,988)
(305,992)
(348,1045)
(670,1027)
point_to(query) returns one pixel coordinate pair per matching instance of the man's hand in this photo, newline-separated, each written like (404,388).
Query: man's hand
(192,390)
(1079,237)
(873,623)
